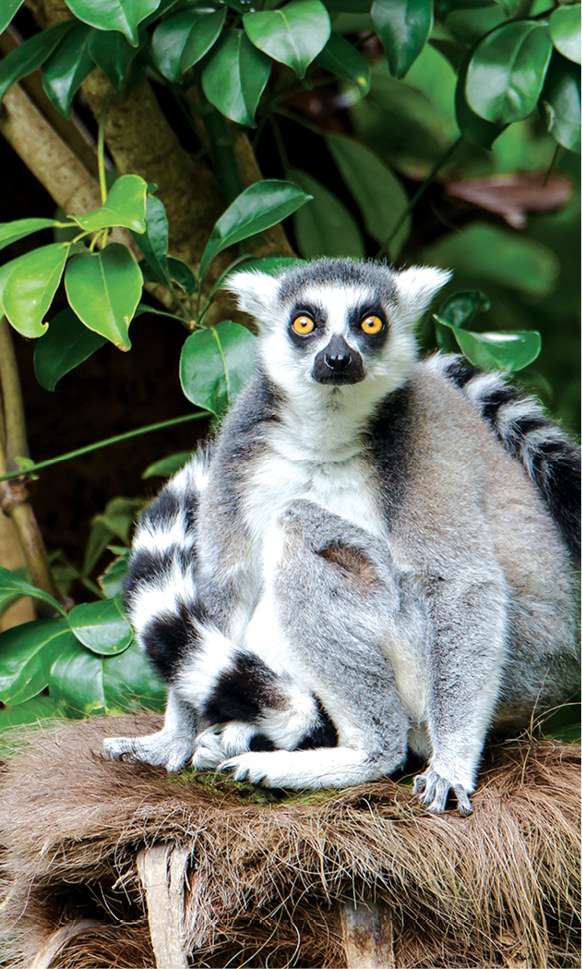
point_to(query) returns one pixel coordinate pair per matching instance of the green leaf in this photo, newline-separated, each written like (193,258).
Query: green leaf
(497,256)
(257,208)
(9,9)
(216,363)
(76,681)
(503,350)
(122,15)
(37,708)
(403,27)
(111,52)
(293,35)
(29,55)
(67,344)
(167,466)
(67,67)
(125,206)
(31,286)
(560,102)
(104,289)
(475,129)
(26,655)
(184,38)
(324,228)
(379,194)
(565,31)
(12,231)
(111,580)
(153,243)
(130,683)
(342,59)
(101,626)
(234,76)
(460,309)
(507,70)
(181,273)
(12,587)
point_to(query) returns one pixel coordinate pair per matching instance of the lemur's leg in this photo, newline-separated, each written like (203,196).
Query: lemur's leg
(171,747)
(468,621)
(335,599)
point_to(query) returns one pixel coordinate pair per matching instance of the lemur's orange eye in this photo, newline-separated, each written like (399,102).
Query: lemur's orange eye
(303,325)
(372,324)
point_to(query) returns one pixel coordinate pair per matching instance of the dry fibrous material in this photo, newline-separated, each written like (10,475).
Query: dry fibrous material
(267,871)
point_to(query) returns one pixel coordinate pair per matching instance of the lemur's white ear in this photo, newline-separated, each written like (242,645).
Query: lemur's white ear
(417,287)
(256,291)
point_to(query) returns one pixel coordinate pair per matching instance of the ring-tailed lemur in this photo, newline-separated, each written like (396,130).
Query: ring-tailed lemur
(359,564)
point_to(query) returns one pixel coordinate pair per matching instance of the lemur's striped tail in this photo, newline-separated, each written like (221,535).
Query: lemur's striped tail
(161,596)
(550,458)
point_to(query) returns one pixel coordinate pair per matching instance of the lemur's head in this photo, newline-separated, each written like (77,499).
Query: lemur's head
(337,322)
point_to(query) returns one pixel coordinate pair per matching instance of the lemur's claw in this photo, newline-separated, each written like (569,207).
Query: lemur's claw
(433,791)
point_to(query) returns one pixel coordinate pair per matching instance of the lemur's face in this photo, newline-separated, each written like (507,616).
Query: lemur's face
(337,323)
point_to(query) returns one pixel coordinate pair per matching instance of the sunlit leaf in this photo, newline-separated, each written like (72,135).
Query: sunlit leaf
(216,363)
(101,626)
(167,466)
(67,344)
(183,39)
(12,231)
(234,76)
(293,34)
(26,655)
(123,15)
(257,208)
(403,27)
(565,30)
(30,288)
(125,206)
(507,70)
(502,350)
(104,290)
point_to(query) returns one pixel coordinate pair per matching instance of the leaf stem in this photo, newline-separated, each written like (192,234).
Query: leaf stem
(105,443)
(101,148)
(418,195)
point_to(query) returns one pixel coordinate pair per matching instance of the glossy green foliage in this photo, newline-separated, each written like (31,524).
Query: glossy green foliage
(341,58)
(9,8)
(293,35)
(215,365)
(29,55)
(154,241)
(12,231)
(122,15)
(104,289)
(167,466)
(565,31)
(27,655)
(67,67)
(257,208)
(403,27)
(125,206)
(234,76)
(325,227)
(29,289)
(12,587)
(67,344)
(507,70)
(560,102)
(183,39)
(499,350)
(111,52)
(101,626)
(473,127)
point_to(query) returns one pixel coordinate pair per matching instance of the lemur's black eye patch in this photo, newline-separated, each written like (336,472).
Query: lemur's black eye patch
(368,322)
(305,321)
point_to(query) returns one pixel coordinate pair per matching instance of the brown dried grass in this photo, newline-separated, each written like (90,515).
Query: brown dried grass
(501,888)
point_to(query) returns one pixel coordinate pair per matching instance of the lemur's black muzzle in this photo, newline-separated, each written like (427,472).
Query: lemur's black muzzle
(338,363)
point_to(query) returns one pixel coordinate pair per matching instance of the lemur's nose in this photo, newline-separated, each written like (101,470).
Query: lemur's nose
(338,361)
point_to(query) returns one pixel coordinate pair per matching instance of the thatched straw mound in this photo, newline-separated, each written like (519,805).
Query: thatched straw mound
(266,872)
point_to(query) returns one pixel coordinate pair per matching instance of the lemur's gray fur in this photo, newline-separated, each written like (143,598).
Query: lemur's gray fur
(374,555)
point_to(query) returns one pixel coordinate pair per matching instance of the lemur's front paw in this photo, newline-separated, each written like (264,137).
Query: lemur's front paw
(434,789)
(159,750)
(214,745)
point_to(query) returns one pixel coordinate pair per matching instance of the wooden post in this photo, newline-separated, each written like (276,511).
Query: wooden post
(368,936)
(162,872)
